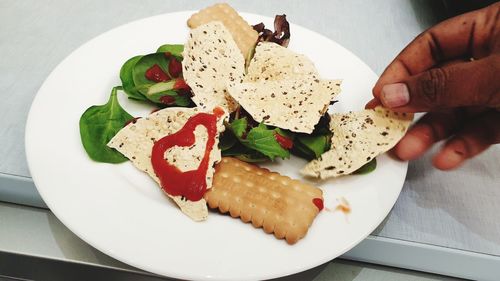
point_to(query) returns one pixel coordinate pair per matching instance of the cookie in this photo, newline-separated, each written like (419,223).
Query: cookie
(274,202)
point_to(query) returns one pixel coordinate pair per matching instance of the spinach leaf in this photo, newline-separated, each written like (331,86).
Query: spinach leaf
(174,49)
(142,65)
(244,153)
(314,145)
(126,76)
(99,124)
(239,127)
(367,168)
(262,139)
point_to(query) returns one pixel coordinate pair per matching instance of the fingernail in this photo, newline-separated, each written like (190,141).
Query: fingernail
(395,95)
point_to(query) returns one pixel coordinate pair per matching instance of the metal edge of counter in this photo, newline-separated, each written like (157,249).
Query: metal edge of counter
(374,249)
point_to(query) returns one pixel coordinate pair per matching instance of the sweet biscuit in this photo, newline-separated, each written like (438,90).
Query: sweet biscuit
(277,203)
(244,34)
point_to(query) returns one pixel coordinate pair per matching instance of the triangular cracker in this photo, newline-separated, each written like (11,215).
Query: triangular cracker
(296,105)
(211,61)
(136,141)
(274,62)
(358,137)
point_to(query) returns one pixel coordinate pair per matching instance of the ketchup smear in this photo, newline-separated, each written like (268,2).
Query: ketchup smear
(174,67)
(156,74)
(319,203)
(190,184)
(283,141)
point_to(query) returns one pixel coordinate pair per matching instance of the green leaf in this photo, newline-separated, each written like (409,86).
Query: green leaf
(244,153)
(99,124)
(174,49)
(126,76)
(143,64)
(262,139)
(315,144)
(367,168)
(227,140)
(239,127)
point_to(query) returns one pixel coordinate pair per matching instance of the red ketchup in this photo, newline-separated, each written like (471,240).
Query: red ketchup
(285,142)
(318,202)
(180,84)
(190,184)
(174,67)
(156,74)
(168,100)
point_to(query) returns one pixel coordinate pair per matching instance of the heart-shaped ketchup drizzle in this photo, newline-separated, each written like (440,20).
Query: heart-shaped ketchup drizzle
(190,184)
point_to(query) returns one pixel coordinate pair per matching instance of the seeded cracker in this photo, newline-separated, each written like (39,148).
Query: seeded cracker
(274,62)
(296,105)
(358,137)
(136,141)
(277,203)
(211,62)
(244,35)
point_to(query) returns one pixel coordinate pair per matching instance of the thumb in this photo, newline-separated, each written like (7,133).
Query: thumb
(474,83)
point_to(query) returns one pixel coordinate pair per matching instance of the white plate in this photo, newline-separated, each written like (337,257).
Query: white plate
(122,212)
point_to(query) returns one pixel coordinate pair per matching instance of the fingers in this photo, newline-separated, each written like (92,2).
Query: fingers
(472,83)
(473,139)
(430,129)
(469,35)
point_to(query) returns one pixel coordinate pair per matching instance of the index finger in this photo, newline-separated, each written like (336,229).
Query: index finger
(467,35)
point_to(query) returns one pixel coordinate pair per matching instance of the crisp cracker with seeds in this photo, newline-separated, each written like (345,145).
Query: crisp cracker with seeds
(244,35)
(277,203)
(358,137)
(136,141)
(296,105)
(211,62)
(274,62)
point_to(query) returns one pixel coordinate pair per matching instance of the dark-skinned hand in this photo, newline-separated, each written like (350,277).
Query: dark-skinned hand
(451,71)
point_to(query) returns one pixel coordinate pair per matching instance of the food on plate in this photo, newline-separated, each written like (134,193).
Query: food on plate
(274,62)
(98,124)
(139,141)
(157,77)
(244,35)
(236,91)
(281,34)
(278,204)
(212,61)
(295,105)
(358,137)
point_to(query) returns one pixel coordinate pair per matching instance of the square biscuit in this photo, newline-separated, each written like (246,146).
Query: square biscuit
(277,203)
(243,34)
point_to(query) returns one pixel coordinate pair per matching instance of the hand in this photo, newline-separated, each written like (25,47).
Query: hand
(452,71)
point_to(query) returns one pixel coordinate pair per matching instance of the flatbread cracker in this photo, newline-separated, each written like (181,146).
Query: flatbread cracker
(277,203)
(244,35)
(136,141)
(358,137)
(274,62)
(296,105)
(211,61)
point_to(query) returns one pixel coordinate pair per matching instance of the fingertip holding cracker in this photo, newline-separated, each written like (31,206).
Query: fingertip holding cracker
(244,35)
(267,200)
(358,137)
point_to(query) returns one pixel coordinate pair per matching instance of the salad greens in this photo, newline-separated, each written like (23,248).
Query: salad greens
(128,80)
(154,77)
(157,78)
(367,168)
(99,124)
